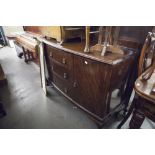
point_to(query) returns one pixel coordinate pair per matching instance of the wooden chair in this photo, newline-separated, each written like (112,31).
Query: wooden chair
(88,33)
(107,40)
(143,104)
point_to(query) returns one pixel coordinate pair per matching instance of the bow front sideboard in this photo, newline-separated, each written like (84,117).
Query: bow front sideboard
(87,79)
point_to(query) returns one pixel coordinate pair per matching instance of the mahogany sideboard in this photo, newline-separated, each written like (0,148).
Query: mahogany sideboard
(87,79)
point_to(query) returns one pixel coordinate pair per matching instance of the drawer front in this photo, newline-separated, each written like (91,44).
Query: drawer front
(62,57)
(62,84)
(62,72)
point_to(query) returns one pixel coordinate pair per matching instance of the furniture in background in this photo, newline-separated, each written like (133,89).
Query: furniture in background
(127,36)
(132,37)
(70,32)
(29,47)
(60,33)
(103,32)
(144,86)
(144,104)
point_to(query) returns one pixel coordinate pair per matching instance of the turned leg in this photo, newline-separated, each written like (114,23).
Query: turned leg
(87,29)
(29,55)
(32,56)
(128,114)
(24,53)
(137,119)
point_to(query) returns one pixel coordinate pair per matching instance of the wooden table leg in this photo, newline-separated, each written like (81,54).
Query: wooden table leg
(25,55)
(87,39)
(29,56)
(128,114)
(137,119)
(32,56)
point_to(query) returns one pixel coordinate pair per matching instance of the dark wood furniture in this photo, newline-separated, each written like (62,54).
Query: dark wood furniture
(60,33)
(127,36)
(87,79)
(133,36)
(144,86)
(144,104)
(71,77)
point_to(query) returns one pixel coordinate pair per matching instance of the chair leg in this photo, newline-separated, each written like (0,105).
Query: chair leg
(137,119)
(32,57)
(25,54)
(121,91)
(29,56)
(128,114)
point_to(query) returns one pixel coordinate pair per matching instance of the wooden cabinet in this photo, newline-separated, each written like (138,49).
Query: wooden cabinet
(86,79)
(90,84)
(60,33)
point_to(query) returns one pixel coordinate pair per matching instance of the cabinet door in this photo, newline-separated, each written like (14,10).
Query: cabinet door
(91,82)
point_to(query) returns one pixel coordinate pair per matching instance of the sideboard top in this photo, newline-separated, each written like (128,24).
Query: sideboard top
(77,48)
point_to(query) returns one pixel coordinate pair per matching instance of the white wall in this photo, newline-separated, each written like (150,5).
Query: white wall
(9,30)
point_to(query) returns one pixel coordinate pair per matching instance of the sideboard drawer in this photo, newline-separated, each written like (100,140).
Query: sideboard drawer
(62,84)
(63,72)
(60,56)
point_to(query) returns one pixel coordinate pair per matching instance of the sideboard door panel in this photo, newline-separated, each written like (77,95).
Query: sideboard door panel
(90,85)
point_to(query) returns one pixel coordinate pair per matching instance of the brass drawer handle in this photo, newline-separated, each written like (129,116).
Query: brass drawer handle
(65,90)
(65,75)
(63,60)
(50,54)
